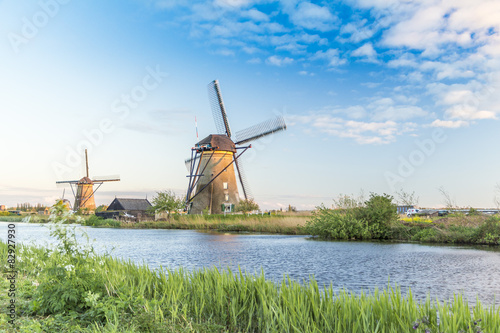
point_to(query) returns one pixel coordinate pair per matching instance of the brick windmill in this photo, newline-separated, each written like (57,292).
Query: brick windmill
(84,196)
(212,177)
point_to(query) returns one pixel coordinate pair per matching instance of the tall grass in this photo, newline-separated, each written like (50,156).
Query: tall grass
(289,224)
(104,294)
(11,218)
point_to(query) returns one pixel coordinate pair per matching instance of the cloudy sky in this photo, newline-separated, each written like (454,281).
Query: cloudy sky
(378,95)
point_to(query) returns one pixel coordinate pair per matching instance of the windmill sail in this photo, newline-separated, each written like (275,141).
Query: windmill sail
(260,130)
(215,161)
(243,179)
(84,196)
(218,109)
(112,178)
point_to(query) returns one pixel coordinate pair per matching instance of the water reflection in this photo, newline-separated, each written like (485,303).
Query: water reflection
(435,270)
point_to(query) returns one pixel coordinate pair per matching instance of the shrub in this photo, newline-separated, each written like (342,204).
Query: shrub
(337,224)
(373,221)
(489,232)
(380,213)
(69,277)
(96,221)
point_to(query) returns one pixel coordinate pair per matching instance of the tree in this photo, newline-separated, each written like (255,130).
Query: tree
(448,201)
(496,199)
(246,205)
(168,202)
(101,208)
(380,212)
(406,198)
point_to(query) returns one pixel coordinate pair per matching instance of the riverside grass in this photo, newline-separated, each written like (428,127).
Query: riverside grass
(292,224)
(54,295)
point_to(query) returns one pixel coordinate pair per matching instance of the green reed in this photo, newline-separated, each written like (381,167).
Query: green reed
(241,302)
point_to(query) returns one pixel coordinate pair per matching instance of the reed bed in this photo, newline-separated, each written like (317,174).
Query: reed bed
(285,224)
(102,294)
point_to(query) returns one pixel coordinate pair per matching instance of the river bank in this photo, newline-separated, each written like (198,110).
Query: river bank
(72,289)
(455,229)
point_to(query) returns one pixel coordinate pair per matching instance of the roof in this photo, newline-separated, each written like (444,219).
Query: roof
(217,142)
(129,204)
(85,180)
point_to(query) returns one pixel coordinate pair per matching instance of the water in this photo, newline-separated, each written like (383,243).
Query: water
(436,270)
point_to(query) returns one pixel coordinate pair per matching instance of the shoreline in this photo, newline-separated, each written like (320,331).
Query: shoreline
(126,296)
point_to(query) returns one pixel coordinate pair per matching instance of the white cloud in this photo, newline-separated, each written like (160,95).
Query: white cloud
(356,31)
(255,15)
(306,73)
(232,3)
(469,112)
(367,52)
(279,61)
(469,101)
(449,123)
(313,17)
(332,56)
(363,132)
(386,109)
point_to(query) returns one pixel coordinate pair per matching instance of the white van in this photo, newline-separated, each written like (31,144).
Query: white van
(412,211)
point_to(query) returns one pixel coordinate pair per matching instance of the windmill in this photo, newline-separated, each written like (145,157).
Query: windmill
(212,177)
(84,197)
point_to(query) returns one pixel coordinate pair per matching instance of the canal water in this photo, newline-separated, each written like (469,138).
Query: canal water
(438,271)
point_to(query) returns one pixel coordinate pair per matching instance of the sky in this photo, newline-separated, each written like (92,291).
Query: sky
(379,96)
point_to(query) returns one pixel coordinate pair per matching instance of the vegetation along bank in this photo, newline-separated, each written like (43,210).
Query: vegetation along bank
(70,288)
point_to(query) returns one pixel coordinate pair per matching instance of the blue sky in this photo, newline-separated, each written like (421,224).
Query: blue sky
(379,96)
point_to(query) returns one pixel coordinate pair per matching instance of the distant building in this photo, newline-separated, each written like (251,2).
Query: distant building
(2,208)
(46,211)
(404,209)
(135,207)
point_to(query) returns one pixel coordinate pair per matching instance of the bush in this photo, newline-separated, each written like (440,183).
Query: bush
(489,232)
(373,221)
(380,213)
(337,224)
(96,221)
(69,277)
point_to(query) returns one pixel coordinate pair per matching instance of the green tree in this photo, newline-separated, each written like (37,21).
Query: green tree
(246,205)
(101,208)
(380,213)
(168,202)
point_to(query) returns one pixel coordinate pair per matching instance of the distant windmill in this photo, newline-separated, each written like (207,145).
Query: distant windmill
(84,197)
(212,178)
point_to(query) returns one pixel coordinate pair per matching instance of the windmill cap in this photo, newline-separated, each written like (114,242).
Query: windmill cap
(86,180)
(217,142)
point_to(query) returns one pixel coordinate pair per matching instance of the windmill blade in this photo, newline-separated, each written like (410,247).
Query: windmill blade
(190,160)
(64,183)
(218,109)
(243,179)
(260,130)
(113,178)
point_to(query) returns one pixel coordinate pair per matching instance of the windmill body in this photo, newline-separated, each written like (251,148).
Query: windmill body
(216,157)
(84,196)
(215,165)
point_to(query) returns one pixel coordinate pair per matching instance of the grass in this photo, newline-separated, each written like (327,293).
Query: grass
(125,297)
(282,224)
(11,218)
(472,230)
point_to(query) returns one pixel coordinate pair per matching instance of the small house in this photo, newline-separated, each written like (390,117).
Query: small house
(135,207)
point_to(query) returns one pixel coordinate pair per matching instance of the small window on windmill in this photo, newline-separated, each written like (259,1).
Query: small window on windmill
(226,197)
(224,186)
